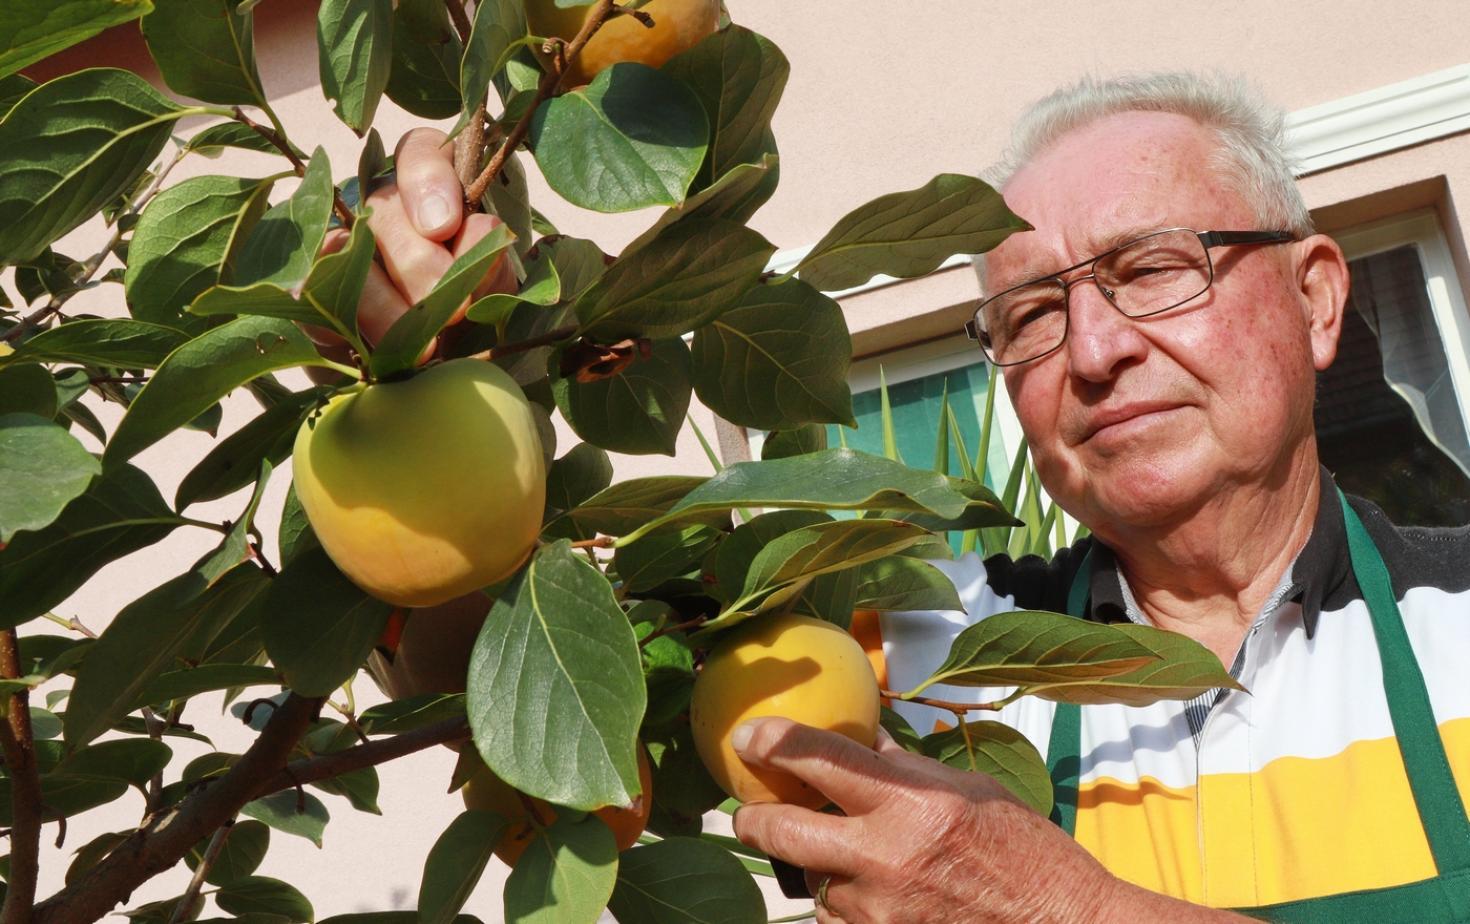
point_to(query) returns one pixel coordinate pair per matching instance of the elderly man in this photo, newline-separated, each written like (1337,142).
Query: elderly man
(1159,333)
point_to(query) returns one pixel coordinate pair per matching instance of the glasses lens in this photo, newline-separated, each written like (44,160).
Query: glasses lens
(1156,272)
(1023,323)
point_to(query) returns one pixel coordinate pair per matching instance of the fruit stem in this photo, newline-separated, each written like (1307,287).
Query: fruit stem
(602,11)
(601,542)
(677,627)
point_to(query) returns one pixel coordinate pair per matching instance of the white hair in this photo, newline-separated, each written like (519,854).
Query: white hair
(1252,154)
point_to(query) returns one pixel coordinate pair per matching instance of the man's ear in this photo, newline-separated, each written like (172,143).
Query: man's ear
(1322,283)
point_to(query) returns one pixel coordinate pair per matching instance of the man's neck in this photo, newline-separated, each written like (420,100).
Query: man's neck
(1209,576)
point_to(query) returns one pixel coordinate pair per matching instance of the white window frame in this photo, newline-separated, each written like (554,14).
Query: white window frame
(1421,230)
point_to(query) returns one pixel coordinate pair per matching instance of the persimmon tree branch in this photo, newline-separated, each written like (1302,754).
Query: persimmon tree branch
(601,12)
(168,836)
(89,269)
(25,781)
(958,709)
(382,750)
(206,862)
(460,18)
(279,142)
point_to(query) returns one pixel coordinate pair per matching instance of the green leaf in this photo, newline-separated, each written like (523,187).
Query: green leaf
(497,28)
(43,468)
(738,77)
(282,247)
(738,551)
(649,132)
(627,505)
(355,46)
(201,372)
(34,29)
(92,853)
(408,714)
(566,875)
(212,141)
(71,147)
(901,583)
(186,241)
(328,297)
(778,359)
(132,760)
(579,263)
(28,390)
(571,480)
(1000,752)
(782,444)
(639,410)
(359,787)
(824,547)
(542,287)
(291,812)
(510,198)
(118,342)
(234,462)
(244,848)
(900,730)
(685,879)
(389,917)
(910,233)
(264,895)
(983,510)
(556,687)
(834,479)
(63,796)
(318,626)
(455,864)
(120,513)
(205,49)
(141,643)
(1185,669)
(424,77)
(687,275)
(12,88)
(295,536)
(734,196)
(406,339)
(1033,647)
(683,790)
(645,565)
(191,681)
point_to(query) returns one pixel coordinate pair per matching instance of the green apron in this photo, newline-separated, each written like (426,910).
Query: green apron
(1444,898)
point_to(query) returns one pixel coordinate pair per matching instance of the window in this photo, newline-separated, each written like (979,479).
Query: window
(1391,422)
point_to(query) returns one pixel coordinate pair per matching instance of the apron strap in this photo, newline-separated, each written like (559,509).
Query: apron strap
(1063,753)
(1441,811)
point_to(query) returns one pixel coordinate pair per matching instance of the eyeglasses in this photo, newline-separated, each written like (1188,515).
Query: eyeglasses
(1143,277)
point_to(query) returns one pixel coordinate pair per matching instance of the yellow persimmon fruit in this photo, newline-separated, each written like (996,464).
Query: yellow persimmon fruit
(427,649)
(426,489)
(487,792)
(677,25)
(804,669)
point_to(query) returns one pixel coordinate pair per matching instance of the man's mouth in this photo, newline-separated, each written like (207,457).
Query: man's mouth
(1104,421)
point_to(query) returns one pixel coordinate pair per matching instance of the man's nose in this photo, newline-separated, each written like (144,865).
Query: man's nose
(1101,340)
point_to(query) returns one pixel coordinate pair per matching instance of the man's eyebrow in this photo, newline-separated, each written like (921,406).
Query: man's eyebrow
(1041,268)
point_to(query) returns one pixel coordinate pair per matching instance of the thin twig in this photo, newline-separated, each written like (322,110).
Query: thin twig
(89,268)
(279,142)
(460,19)
(206,862)
(694,623)
(520,346)
(25,781)
(957,708)
(601,542)
(260,559)
(600,13)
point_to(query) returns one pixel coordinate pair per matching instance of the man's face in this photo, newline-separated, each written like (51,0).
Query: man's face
(1137,423)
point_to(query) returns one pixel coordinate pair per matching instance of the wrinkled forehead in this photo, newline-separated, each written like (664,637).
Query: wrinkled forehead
(1109,182)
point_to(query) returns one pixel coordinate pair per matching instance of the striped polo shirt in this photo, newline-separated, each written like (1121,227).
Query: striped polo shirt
(1293,790)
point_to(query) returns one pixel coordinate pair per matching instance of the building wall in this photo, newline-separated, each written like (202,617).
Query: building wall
(882,96)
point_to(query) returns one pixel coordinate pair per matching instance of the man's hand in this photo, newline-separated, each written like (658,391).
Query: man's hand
(921,842)
(420,226)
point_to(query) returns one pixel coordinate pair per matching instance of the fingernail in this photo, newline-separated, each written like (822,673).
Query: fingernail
(434,212)
(740,737)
